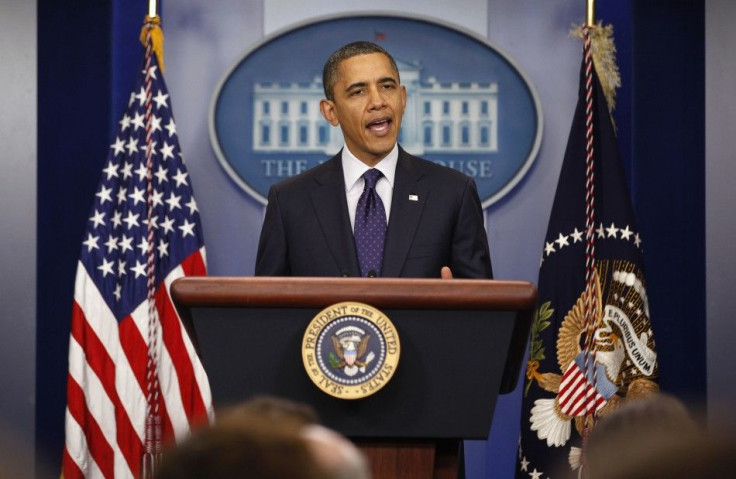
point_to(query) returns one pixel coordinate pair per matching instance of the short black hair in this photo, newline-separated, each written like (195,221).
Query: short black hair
(329,72)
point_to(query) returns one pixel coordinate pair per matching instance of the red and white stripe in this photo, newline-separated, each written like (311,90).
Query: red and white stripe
(578,396)
(106,387)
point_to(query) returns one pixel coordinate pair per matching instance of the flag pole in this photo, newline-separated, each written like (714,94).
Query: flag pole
(590,305)
(589,12)
(153,433)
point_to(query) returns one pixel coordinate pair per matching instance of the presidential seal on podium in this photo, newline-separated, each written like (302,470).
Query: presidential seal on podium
(350,350)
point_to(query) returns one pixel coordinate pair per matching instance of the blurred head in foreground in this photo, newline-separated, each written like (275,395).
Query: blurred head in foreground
(265,438)
(656,438)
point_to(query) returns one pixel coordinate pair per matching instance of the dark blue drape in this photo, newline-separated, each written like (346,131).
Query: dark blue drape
(668,182)
(87,56)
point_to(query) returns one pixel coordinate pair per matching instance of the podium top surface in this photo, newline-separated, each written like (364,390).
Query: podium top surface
(381,292)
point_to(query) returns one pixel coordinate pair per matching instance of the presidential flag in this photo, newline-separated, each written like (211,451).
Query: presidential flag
(592,347)
(129,356)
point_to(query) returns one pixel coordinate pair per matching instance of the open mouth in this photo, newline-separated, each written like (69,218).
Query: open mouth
(380,126)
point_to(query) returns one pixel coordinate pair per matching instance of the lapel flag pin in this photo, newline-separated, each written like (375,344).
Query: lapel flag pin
(413,198)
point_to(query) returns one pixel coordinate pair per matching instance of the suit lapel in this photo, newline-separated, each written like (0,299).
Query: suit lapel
(330,206)
(407,204)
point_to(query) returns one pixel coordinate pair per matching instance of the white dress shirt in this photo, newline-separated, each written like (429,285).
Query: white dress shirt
(353,170)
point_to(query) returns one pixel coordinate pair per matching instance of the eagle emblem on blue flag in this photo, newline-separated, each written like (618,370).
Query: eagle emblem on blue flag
(620,363)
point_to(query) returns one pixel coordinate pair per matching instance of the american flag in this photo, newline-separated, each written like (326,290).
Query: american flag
(107,386)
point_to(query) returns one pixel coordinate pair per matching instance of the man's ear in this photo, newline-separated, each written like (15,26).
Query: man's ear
(327,107)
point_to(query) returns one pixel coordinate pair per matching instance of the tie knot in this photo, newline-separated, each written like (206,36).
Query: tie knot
(371,177)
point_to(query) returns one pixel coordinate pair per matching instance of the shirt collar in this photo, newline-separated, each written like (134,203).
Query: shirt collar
(353,168)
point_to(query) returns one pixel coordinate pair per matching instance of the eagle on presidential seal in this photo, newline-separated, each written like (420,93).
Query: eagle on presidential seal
(350,344)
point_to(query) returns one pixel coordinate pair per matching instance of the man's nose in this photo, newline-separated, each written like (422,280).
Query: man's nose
(376,98)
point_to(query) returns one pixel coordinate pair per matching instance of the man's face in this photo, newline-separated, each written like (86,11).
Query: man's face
(368,105)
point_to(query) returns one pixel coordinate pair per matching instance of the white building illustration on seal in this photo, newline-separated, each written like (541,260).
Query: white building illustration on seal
(453,117)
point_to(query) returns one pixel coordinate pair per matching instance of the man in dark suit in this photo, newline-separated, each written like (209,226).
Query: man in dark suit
(433,213)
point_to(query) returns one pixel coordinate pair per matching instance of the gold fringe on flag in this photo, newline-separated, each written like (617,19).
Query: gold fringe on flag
(157,38)
(604,58)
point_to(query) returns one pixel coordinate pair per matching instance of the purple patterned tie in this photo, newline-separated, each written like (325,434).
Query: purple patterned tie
(370,226)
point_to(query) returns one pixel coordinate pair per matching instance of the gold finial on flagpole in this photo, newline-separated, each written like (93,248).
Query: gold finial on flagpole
(590,13)
(152,26)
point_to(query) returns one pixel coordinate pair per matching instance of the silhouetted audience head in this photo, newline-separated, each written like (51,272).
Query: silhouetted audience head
(284,412)
(265,438)
(656,438)
(259,450)
(336,456)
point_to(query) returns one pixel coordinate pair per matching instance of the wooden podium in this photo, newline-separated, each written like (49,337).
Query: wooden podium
(462,343)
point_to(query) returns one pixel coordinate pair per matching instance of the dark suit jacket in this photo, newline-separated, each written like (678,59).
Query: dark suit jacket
(306,231)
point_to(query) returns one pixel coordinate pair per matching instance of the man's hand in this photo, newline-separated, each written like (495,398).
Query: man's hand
(446,273)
